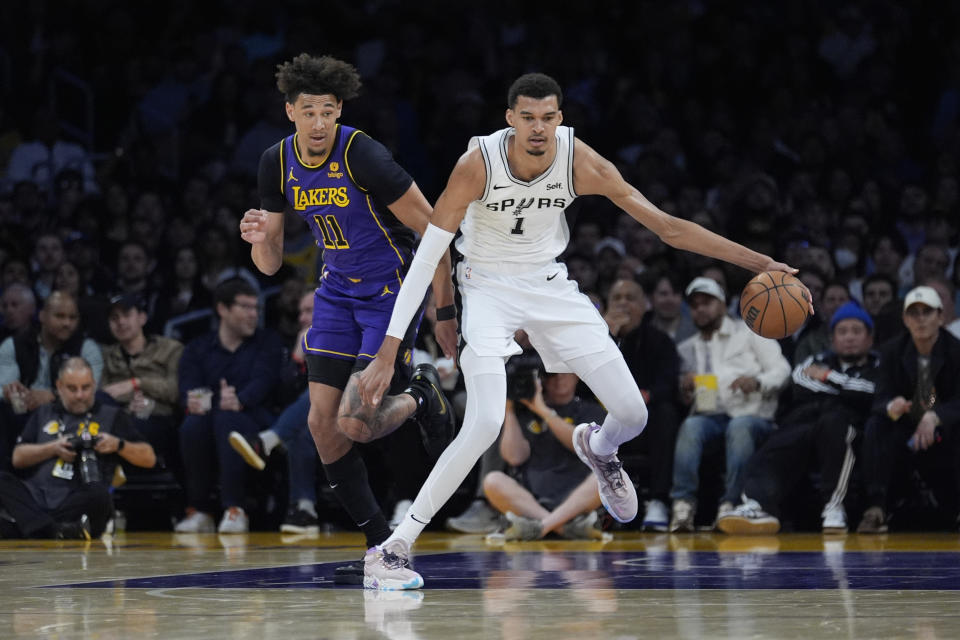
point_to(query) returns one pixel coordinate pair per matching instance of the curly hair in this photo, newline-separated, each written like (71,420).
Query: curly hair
(318,76)
(534,85)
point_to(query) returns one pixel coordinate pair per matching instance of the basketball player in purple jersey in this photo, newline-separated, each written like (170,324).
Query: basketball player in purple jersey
(363,209)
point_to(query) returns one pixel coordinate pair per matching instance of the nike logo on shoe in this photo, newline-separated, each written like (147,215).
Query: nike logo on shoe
(549,278)
(500,186)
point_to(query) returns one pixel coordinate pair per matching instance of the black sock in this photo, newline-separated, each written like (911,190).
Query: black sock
(348,479)
(418,396)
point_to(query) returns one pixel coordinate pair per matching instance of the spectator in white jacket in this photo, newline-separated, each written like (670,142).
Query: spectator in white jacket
(731,377)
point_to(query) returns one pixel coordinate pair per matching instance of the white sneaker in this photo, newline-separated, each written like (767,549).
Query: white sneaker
(748,518)
(234,521)
(656,517)
(399,513)
(834,520)
(387,568)
(683,513)
(617,492)
(195,522)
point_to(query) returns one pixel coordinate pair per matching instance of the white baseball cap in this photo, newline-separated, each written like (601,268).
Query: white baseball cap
(708,286)
(923,295)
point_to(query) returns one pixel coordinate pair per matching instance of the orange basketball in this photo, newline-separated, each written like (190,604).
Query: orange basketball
(774,304)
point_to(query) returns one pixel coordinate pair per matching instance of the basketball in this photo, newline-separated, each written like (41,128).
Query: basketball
(774,304)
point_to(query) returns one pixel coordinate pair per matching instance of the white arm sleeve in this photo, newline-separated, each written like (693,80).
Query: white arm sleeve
(434,242)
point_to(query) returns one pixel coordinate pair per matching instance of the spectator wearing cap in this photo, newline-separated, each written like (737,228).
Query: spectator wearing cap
(947,292)
(730,376)
(18,305)
(30,359)
(227,378)
(916,412)
(821,414)
(140,372)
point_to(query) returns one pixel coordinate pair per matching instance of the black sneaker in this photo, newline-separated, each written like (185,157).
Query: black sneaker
(250,449)
(78,530)
(300,521)
(435,415)
(349,573)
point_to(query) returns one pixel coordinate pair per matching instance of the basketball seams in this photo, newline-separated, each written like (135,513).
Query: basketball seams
(781,284)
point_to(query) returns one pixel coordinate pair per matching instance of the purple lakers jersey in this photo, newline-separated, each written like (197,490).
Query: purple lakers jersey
(361,239)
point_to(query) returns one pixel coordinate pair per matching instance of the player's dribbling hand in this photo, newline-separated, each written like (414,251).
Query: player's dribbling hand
(374,380)
(773,265)
(253,226)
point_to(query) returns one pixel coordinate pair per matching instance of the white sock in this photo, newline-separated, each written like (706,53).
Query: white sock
(600,445)
(270,439)
(307,505)
(614,386)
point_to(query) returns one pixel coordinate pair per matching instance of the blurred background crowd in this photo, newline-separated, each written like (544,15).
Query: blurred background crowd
(825,134)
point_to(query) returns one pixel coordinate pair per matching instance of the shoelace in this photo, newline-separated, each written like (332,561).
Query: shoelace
(611,474)
(394,561)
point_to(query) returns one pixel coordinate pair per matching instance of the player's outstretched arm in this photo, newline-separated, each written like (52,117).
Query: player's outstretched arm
(464,186)
(595,175)
(413,210)
(264,231)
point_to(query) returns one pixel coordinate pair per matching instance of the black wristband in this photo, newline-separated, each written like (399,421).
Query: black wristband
(448,312)
(121,444)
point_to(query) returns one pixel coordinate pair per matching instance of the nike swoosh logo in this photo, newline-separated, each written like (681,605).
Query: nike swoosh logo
(443,405)
(553,276)
(334,485)
(500,186)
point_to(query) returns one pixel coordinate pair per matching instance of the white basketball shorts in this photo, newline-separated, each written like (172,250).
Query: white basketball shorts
(562,323)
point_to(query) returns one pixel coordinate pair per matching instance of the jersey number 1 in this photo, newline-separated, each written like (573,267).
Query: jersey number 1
(517,228)
(331,232)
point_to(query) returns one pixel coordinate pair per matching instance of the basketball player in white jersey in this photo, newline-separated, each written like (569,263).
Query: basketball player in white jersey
(508,193)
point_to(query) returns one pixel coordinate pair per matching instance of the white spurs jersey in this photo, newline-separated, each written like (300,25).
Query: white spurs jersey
(515,220)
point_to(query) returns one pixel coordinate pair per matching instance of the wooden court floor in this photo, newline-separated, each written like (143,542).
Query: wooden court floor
(273,586)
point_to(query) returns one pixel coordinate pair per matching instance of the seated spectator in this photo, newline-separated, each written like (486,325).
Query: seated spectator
(290,431)
(916,411)
(65,492)
(134,265)
(18,306)
(881,302)
(664,290)
(555,491)
(652,358)
(835,295)
(830,400)
(947,292)
(226,379)
(48,254)
(93,307)
(140,372)
(29,362)
(182,291)
(731,376)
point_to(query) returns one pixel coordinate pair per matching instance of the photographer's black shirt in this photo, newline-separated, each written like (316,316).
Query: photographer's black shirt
(49,483)
(552,471)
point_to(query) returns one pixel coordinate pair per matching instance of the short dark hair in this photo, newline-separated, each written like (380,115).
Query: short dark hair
(318,76)
(879,277)
(534,85)
(227,291)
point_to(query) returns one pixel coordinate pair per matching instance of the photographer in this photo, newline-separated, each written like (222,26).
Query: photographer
(556,491)
(69,451)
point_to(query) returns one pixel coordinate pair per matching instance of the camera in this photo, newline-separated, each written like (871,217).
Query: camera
(522,373)
(87,464)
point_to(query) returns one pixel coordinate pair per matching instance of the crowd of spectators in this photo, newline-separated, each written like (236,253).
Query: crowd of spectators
(823,134)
